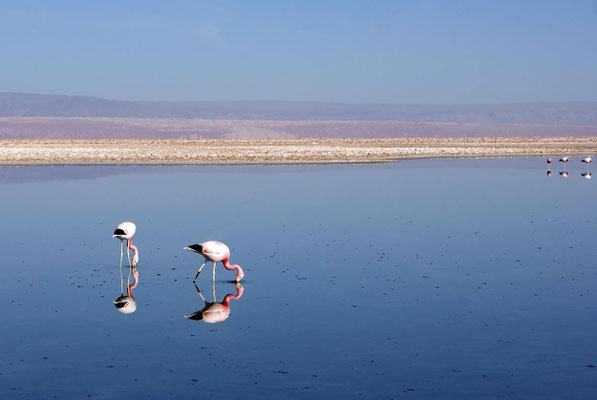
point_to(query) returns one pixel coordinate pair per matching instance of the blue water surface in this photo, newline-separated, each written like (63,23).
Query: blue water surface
(417,279)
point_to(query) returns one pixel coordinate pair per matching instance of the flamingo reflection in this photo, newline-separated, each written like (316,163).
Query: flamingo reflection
(215,312)
(127,304)
(549,161)
(586,175)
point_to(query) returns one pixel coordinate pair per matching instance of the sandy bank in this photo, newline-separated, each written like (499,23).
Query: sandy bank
(224,151)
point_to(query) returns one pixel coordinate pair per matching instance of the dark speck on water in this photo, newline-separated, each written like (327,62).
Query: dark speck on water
(342,298)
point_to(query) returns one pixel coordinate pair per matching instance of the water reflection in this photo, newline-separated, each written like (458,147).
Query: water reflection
(127,304)
(586,175)
(215,312)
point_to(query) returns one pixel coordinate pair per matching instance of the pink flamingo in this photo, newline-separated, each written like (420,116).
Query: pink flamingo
(126,231)
(549,160)
(127,304)
(215,251)
(564,174)
(587,160)
(564,159)
(216,312)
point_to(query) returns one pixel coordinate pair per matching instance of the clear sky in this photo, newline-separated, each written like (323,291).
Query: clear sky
(412,51)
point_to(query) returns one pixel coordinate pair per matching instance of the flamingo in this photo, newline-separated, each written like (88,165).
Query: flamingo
(549,160)
(564,159)
(216,312)
(564,174)
(549,173)
(215,251)
(587,160)
(586,175)
(127,304)
(125,231)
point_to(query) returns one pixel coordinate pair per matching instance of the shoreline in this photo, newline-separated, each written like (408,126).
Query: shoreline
(21,152)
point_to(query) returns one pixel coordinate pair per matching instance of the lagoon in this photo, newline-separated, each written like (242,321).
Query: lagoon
(446,278)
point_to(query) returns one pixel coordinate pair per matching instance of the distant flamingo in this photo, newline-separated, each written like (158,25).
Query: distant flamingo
(127,304)
(549,173)
(587,160)
(564,174)
(216,312)
(215,251)
(549,160)
(586,175)
(564,159)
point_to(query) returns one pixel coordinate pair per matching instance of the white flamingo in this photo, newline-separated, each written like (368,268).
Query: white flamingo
(125,231)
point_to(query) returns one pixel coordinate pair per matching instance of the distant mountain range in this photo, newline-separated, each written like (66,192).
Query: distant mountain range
(38,105)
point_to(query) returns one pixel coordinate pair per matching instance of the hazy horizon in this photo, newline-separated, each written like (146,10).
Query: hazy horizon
(412,52)
(257,100)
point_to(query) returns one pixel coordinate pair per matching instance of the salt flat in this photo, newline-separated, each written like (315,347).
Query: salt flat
(225,151)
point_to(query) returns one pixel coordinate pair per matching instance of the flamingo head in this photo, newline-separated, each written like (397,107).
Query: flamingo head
(239,274)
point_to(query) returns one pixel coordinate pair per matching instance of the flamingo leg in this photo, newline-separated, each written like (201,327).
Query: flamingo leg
(214,273)
(128,279)
(128,252)
(200,294)
(120,269)
(213,290)
(198,272)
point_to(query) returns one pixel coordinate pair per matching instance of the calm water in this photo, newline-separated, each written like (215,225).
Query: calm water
(419,279)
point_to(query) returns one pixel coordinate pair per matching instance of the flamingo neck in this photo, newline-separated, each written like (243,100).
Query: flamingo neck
(133,285)
(239,292)
(239,270)
(132,247)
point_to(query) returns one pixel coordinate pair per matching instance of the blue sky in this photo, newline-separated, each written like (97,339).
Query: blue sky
(424,52)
